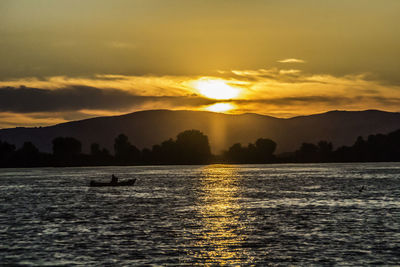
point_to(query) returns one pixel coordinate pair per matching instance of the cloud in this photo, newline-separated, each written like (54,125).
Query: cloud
(291,60)
(291,71)
(271,91)
(27,100)
(325,102)
(11,119)
(287,93)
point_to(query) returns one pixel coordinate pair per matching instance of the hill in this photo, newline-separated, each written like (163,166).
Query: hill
(146,128)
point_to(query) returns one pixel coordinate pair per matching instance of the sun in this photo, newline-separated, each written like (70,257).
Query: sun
(220,107)
(216,89)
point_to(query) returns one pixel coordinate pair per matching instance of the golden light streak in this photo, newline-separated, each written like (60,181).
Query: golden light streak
(219,209)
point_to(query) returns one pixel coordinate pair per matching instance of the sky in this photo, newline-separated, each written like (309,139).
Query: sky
(67,59)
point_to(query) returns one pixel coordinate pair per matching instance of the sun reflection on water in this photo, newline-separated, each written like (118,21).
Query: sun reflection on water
(220,241)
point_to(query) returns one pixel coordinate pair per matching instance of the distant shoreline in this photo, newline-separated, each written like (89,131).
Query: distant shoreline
(191,147)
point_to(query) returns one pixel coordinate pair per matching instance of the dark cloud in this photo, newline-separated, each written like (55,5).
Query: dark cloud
(74,98)
(327,100)
(387,101)
(27,100)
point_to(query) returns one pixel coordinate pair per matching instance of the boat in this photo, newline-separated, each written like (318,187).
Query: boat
(130,182)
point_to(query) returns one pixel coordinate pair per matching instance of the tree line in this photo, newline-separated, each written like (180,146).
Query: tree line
(192,147)
(189,147)
(376,148)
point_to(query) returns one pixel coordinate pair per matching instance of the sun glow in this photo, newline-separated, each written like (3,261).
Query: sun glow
(220,107)
(216,89)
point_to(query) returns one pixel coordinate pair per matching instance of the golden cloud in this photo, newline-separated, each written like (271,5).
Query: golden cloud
(292,60)
(277,92)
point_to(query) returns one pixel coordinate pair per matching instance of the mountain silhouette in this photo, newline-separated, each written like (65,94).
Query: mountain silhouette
(146,128)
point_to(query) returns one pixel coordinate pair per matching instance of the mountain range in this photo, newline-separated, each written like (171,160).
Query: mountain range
(146,128)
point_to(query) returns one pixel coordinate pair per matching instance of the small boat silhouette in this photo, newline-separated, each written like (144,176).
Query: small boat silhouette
(130,182)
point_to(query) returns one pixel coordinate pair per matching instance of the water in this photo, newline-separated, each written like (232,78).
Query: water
(202,215)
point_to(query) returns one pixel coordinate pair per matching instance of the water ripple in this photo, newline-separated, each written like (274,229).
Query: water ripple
(315,214)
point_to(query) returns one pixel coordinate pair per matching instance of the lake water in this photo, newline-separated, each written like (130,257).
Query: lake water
(310,214)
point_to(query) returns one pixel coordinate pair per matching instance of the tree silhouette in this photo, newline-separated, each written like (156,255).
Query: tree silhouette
(66,147)
(260,152)
(125,152)
(95,149)
(146,156)
(377,148)
(325,150)
(28,155)
(193,147)
(67,151)
(265,149)
(166,153)
(100,156)
(393,143)
(307,153)
(6,153)
(359,150)
(236,153)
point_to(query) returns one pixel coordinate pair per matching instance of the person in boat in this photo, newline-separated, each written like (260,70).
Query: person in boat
(114,179)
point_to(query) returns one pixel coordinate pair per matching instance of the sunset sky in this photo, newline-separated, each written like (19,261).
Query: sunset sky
(68,59)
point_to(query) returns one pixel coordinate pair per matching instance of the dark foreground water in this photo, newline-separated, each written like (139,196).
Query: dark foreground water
(202,215)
